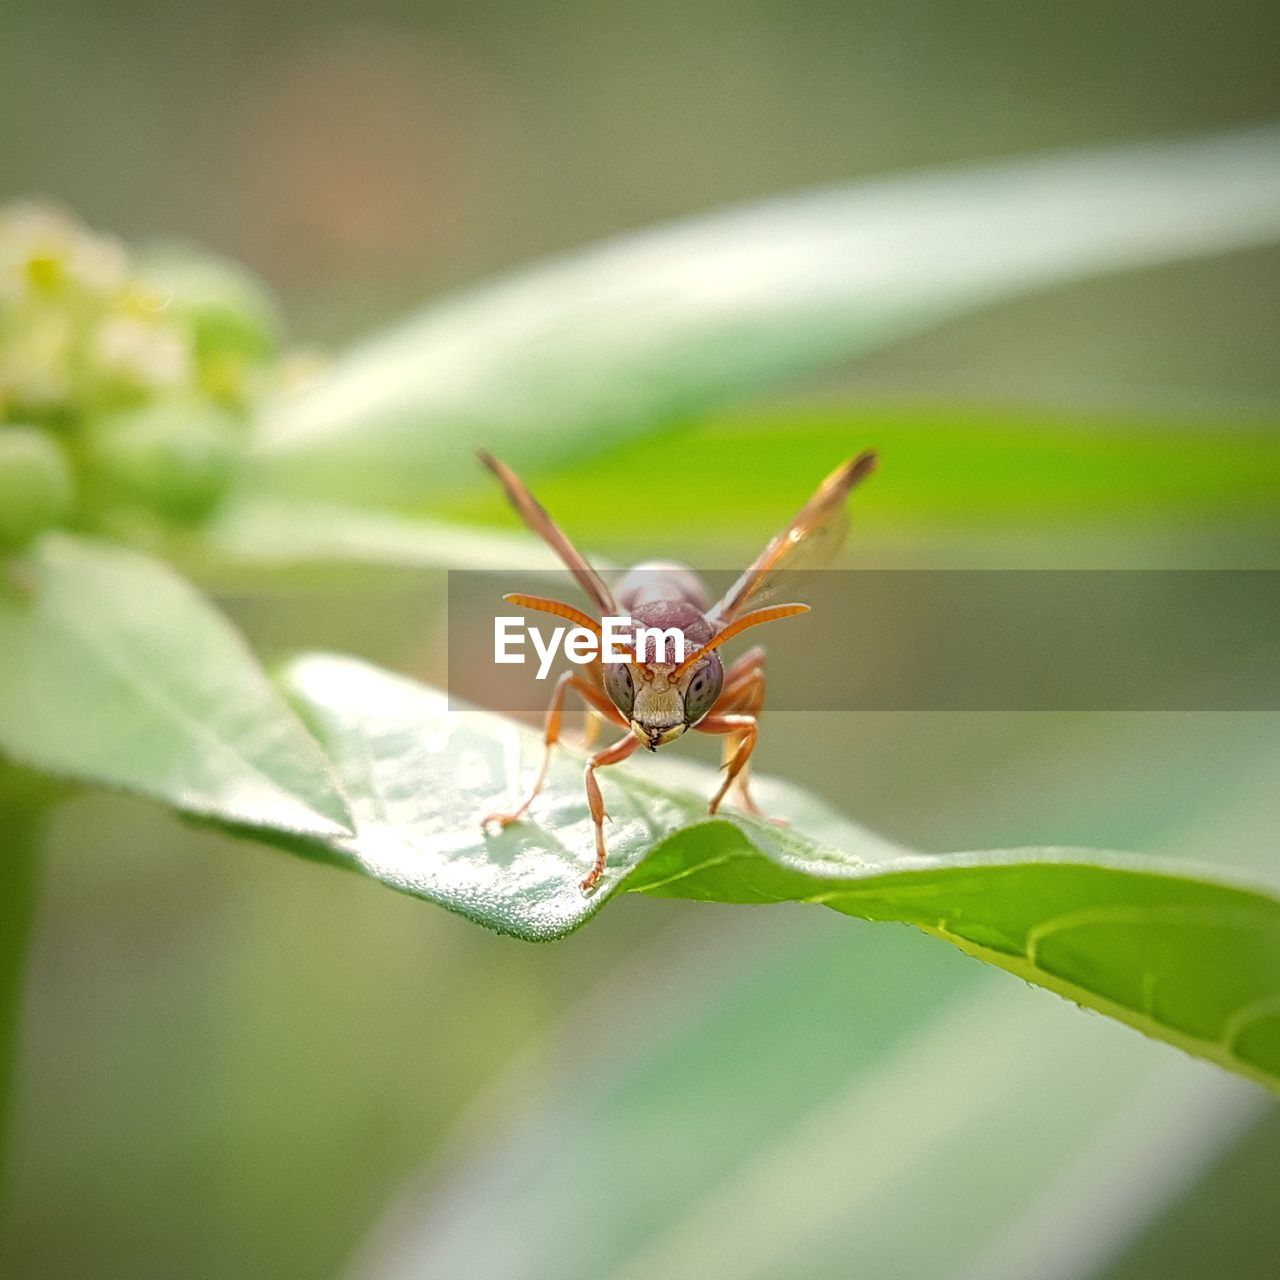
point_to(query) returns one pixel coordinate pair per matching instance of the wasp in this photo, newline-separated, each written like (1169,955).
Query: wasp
(656,702)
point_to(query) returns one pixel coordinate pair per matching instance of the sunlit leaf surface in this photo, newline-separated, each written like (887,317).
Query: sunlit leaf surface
(609,343)
(1185,957)
(114,671)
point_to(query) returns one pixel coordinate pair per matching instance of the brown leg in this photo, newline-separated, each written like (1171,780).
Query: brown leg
(741,673)
(743,694)
(610,755)
(591,723)
(745,730)
(551,735)
(593,674)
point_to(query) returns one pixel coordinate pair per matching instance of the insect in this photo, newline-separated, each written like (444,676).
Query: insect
(656,702)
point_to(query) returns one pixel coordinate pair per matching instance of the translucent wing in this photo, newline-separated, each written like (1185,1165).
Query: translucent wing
(811,539)
(535,516)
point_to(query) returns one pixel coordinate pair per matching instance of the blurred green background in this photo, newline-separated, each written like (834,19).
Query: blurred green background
(233,1061)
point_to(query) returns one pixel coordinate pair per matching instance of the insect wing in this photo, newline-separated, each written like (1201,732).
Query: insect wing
(810,541)
(534,514)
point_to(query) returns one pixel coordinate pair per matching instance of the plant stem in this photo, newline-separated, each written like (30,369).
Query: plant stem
(23,809)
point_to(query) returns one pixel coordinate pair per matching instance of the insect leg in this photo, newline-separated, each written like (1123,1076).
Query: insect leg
(743,694)
(610,755)
(551,735)
(739,675)
(591,723)
(746,730)
(593,718)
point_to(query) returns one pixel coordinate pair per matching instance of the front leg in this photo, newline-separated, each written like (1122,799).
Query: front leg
(743,694)
(551,735)
(593,717)
(610,755)
(746,729)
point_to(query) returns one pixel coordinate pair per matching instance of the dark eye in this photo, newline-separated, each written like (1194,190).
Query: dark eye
(619,686)
(703,689)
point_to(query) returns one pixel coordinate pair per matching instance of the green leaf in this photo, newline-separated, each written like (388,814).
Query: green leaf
(1184,956)
(1022,480)
(590,349)
(943,467)
(113,670)
(279,533)
(1019,477)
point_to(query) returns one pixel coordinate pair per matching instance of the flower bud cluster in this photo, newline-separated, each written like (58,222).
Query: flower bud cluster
(126,380)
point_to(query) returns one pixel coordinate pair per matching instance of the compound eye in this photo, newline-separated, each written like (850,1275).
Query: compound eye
(704,688)
(619,686)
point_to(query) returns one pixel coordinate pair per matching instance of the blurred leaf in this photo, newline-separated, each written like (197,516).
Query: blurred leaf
(280,533)
(1018,477)
(1184,957)
(115,671)
(780,1109)
(941,467)
(587,350)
